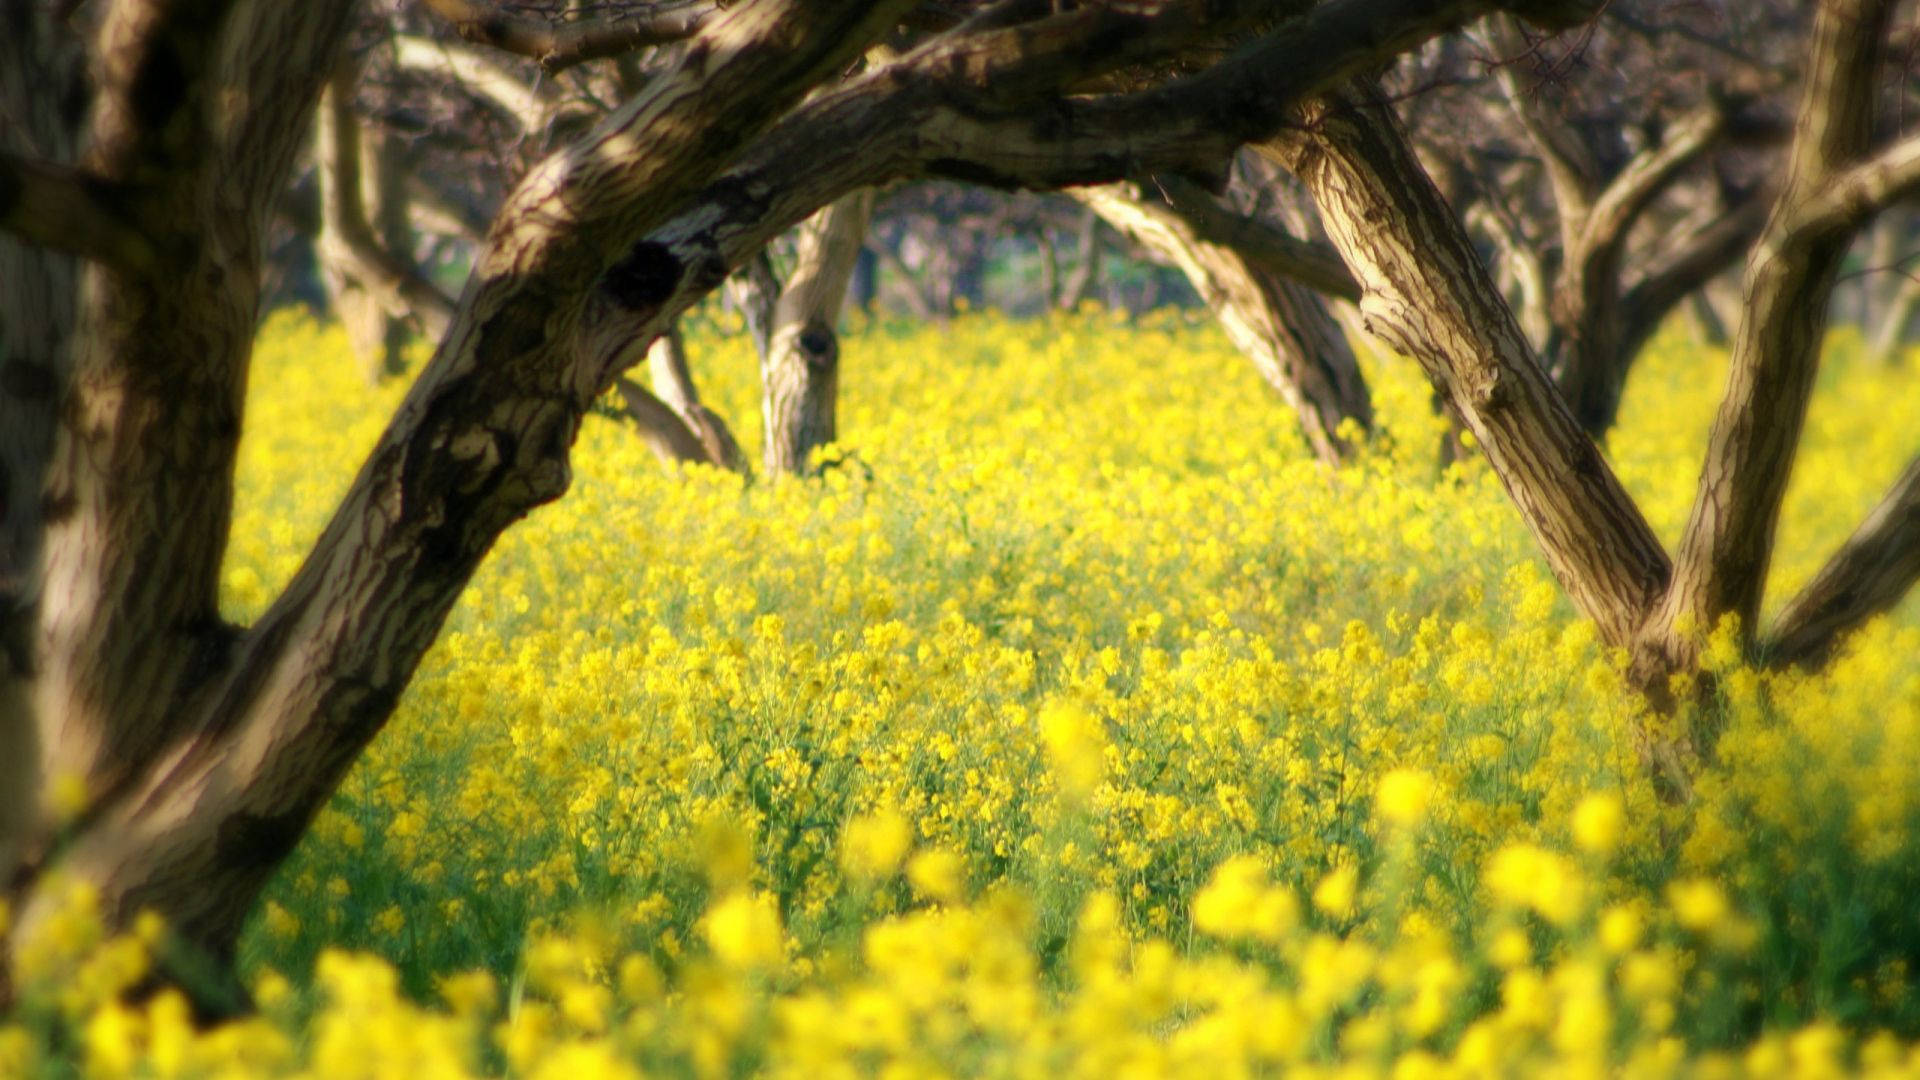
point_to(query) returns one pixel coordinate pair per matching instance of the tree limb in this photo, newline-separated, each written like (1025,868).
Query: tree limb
(1317,266)
(67,209)
(1720,568)
(1851,197)
(1869,574)
(560,44)
(478,72)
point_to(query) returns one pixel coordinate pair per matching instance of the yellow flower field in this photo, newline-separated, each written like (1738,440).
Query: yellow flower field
(1074,722)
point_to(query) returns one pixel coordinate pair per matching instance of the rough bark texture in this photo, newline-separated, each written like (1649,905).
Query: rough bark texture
(1428,295)
(800,370)
(43,97)
(1282,326)
(281,711)
(1720,568)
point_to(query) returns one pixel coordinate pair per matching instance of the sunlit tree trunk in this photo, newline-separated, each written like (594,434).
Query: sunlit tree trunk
(800,369)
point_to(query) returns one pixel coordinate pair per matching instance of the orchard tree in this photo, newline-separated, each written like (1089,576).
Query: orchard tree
(147,144)
(1427,293)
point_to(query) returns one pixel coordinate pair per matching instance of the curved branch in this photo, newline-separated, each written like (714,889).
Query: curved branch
(557,45)
(1317,266)
(67,209)
(477,72)
(1870,573)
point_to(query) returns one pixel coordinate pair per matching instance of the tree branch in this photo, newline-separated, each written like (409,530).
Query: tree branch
(1647,174)
(1720,568)
(481,439)
(477,72)
(1317,266)
(557,45)
(1850,198)
(1869,574)
(67,209)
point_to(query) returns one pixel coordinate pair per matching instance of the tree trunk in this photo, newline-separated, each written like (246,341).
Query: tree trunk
(1428,295)
(210,749)
(1890,334)
(1720,567)
(800,371)
(1085,274)
(1283,327)
(43,97)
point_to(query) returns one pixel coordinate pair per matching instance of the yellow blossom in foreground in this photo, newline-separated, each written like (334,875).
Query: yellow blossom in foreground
(872,847)
(1404,795)
(743,930)
(1598,822)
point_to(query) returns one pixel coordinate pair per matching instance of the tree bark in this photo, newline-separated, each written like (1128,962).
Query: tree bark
(1720,568)
(1282,326)
(265,722)
(1890,334)
(43,96)
(1086,264)
(800,371)
(1429,296)
(1872,571)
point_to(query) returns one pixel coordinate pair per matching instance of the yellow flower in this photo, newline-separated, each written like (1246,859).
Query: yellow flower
(1698,904)
(872,847)
(938,874)
(1076,747)
(1238,902)
(1403,796)
(1335,894)
(743,930)
(1620,929)
(1598,822)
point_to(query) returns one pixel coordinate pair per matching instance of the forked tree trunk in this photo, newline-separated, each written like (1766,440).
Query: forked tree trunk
(1282,326)
(208,749)
(800,369)
(1428,295)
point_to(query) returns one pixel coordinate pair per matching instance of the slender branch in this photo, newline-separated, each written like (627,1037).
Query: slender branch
(558,45)
(1869,574)
(1856,194)
(1317,266)
(478,72)
(666,433)
(67,209)
(1649,173)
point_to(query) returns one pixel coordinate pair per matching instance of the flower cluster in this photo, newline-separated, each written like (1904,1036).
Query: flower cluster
(1072,721)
